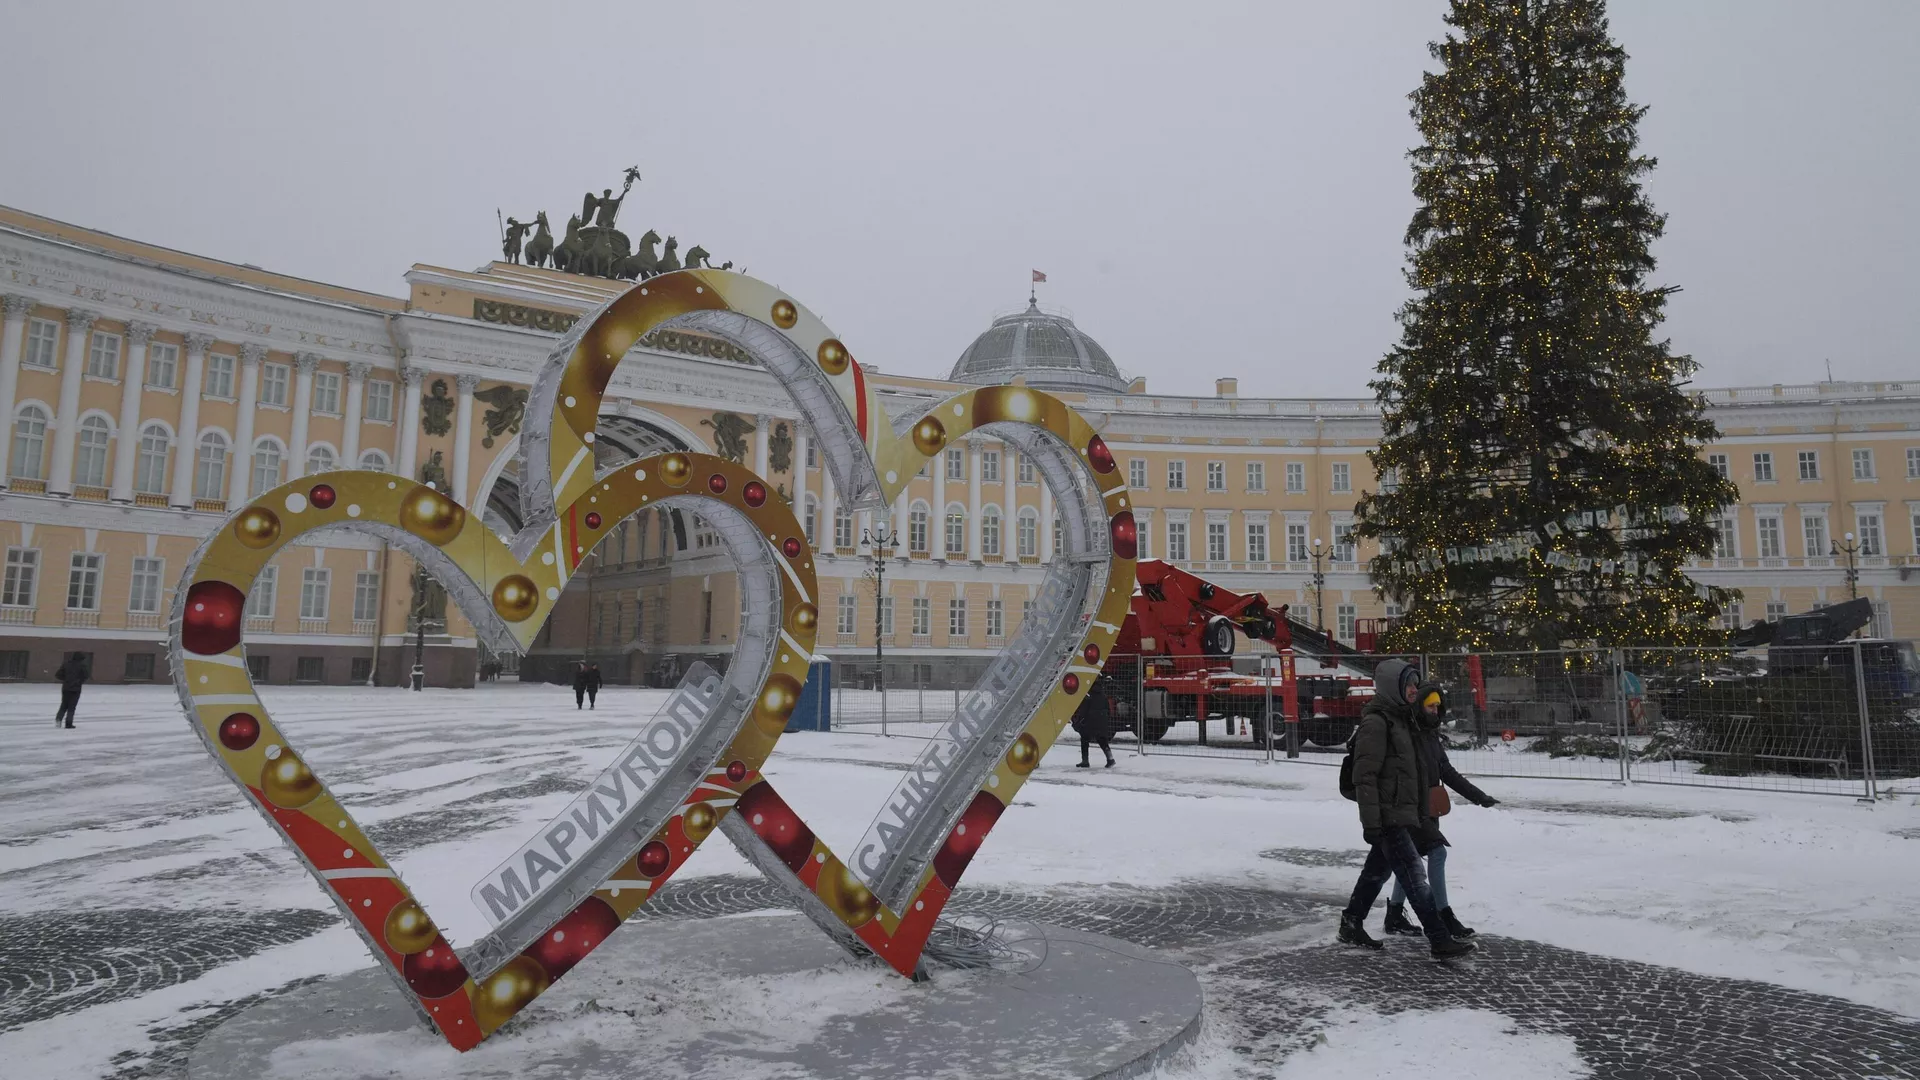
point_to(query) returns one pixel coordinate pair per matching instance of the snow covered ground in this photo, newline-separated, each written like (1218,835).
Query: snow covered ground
(126,817)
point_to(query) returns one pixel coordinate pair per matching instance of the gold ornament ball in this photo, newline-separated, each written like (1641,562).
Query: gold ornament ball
(845,896)
(408,929)
(929,436)
(431,516)
(805,617)
(287,782)
(676,470)
(1024,754)
(833,356)
(257,527)
(1015,403)
(785,314)
(700,821)
(516,597)
(782,693)
(507,991)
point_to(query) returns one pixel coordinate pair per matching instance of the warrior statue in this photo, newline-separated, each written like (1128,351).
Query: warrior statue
(516,231)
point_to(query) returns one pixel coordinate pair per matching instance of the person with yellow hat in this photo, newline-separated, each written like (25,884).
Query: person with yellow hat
(1430,841)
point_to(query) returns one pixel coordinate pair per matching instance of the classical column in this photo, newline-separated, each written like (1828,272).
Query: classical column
(902,539)
(760,439)
(800,476)
(1046,520)
(242,478)
(304,365)
(407,454)
(356,395)
(1010,510)
(15,331)
(973,498)
(462,434)
(187,434)
(829,510)
(133,382)
(938,541)
(67,421)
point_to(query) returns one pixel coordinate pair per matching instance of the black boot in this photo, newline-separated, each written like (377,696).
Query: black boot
(1352,933)
(1109,759)
(1083,764)
(1398,923)
(1449,948)
(1460,933)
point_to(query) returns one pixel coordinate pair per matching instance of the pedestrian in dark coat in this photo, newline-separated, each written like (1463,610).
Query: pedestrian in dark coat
(1390,780)
(1093,720)
(593,684)
(586,680)
(73,673)
(1431,842)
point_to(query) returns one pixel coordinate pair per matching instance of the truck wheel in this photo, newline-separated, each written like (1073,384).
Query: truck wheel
(1259,725)
(1154,729)
(1326,732)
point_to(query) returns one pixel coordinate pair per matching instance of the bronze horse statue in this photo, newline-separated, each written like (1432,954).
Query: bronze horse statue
(643,263)
(541,246)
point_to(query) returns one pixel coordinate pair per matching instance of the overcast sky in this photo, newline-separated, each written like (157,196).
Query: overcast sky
(1212,188)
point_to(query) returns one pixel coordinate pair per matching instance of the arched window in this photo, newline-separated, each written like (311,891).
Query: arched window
(150,472)
(373,461)
(29,461)
(917,521)
(809,520)
(990,531)
(266,467)
(1029,532)
(90,457)
(1059,531)
(319,459)
(956,531)
(210,467)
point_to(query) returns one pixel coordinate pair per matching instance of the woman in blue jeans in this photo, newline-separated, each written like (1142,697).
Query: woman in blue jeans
(1428,840)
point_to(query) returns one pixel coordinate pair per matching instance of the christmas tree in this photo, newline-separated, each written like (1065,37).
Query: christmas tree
(1543,478)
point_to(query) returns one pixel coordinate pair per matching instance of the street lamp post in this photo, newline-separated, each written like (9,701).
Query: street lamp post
(880,541)
(420,586)
(1319,554)
(1849,549)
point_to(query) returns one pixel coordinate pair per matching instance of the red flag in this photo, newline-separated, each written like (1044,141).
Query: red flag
(1038,276)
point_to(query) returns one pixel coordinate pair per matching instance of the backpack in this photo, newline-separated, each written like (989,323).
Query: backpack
(1347,789)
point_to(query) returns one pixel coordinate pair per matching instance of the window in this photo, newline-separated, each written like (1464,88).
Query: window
(1913,462)
(1390,480)
(366,596)
(266,468)
(1216,476)
(210,467)
(1342,543)
(274,380)
(1726,544)
(886,616)
(259,667)
(1296,478)
(150,469)
(90,457)
(83,581)
(1257,541)
(360,670)
(1026,469)
(309,669)
(1863,464)
(144,595)
(29,461)
(1763,468)
(917,519)
(1177,541)
(1344,617)
(13,665)
(1028,534)
(922,616)
(1256,476)
(848,608)
(163,365)
(996,619)
(1342,478)
(1296,541)
(1809,464)
(380,402)
(43,335)
(1730,617)
(266,592)
(1217,541)
(219,377)
(23,572)
(990,532)
(319,459)
(1137,473)
(375,461)
(139,667)
(842,527)
(314,581)
(1718,463)
(103,355)
(1767,526)
(1176,476)
(957,617)
(1813,529)
(326,392)
(1776,610)
(1026,611)
(1868,525)
(956,462)
(990,466)
(956,531)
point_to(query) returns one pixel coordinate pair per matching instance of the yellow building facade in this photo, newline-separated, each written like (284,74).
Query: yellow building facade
(147,390)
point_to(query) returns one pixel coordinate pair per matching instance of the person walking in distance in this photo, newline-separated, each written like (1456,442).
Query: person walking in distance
(1390,782)
(1431,842)
(593,683)
(580,679)
(1093,720)
(73,673)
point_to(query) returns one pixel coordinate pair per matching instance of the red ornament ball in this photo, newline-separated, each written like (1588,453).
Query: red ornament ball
(1071,683)
(755,493)
(573,937)
(321,496)
(1091,652)
(1126,535)
(434,971)
(239,731)
(593,519)
(211,624)
(966,837)
(717,483)
(773,821)
(792,546)
(654,859)
(1099,455)
(736,771)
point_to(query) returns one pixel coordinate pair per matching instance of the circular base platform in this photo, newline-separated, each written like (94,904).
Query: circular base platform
(746,997)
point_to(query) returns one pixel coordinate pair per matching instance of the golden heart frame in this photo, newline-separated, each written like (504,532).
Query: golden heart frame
(993,743)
